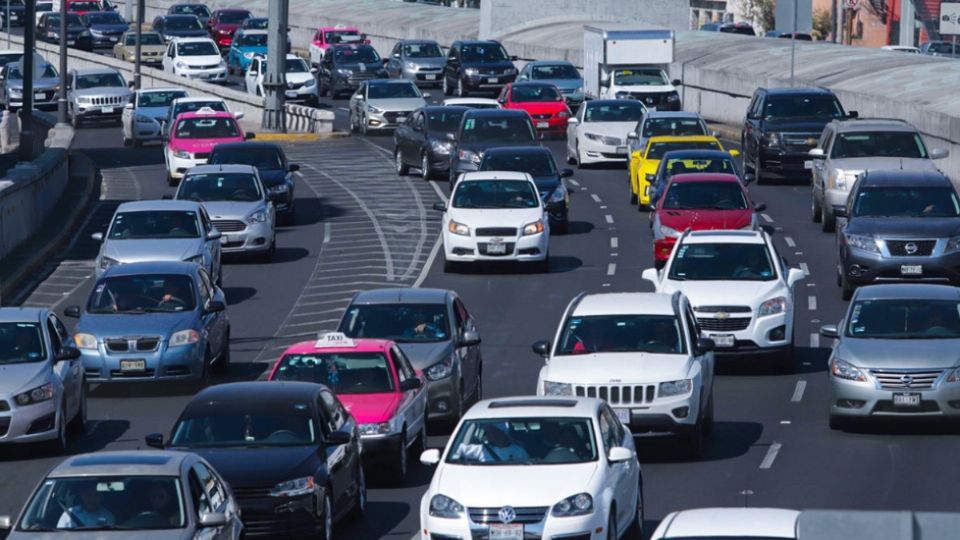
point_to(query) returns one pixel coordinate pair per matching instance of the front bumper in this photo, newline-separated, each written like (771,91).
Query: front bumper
(177,166)
(271,517)
(423,78)
(104,40)
(218,74)
(864,267)
(548,527)
(487,82)
(304,94)
(558,212)
(869,400)
(530,248)
(597,152)
(94,112)
(252,239)
(48,101)
(459,166)
(553,125)
(165,363)
(766,335)
(784,164)
(380,449)
(385,120)
(32,423)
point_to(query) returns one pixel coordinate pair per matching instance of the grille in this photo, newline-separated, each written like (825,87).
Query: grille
(919,380)
(509,251)
(800,140)
(108,100)
(496,231)
(541,116)
(618,394)
(724,325)
(201,155)
(4,406)
(140,344)
(655,98)
(247,494)
(429,70)
(358,76)
(724,309)
(229,225)
(525,515)
(491,71)
(117,374)
(920,248)
(393,116)
(294,86)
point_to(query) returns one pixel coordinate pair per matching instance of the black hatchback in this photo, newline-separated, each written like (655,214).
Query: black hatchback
(538,162)
(481,129)
(289,450)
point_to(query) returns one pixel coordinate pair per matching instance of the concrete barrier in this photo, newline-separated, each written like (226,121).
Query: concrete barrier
(302,119)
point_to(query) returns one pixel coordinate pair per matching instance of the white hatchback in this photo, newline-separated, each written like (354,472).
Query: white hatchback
(195,58)
(528,467)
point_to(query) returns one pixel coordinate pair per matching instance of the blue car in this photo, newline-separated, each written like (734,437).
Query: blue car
(153,321)
(560,73)
(245,45)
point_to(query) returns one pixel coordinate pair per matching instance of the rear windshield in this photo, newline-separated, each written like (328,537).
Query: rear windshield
(530,92)
(498,129)
(801,106)
(207,128)
(658,149)
(554,71)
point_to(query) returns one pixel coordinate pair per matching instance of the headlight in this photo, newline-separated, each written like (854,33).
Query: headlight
(96,33)
(412,67)
(772,139)
(458,228)
(533,228)
(248,55)
(673,97)
(579,90)
(866,243)
(580,504)
(623,95)
(442,506)
(441,147)
(184,337)
(143,119)
(182,154)
(196,259)
(310,82)
(293,488)
(669,232)
(844,179)
(558,195)
(510,71)
(954,376)
(180,65)
(85,341)
(953,245)
(380,428)
(469,156)
(278,189)
(259,216)
(440,370)
(593,136)
(344,72)
(223,62)
(107,262)
(845,370)
(557,389)
(472,72)
(563,114)
(37,395)
(675,388)
(772,306)
(81,99)
(18,91)
(85,34)
(375,110)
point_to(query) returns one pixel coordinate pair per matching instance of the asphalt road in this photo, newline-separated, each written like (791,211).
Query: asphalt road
(771,445)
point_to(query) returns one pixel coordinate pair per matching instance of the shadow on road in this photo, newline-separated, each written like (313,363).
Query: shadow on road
(728,440)
(578,227)
(805,360)
(237,295)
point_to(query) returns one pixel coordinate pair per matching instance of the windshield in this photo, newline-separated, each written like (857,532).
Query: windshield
(13,72)
(154,224)
(676,127)
(800,106)
(197,48)
(498,129)
(905,319)
(403,323)
(534,164)
(490,194)
(263,158)
(207,128)
(392,90)
(914,202)
(627,111)
(344,373)
(524,441)
(161,98)
(656,150)
(358,55)
(478,105)
(159,293)
(290,425)
(182,23)
(639,77)
(93,503)
(146,38)
(902,144)
(484,52)
(99,80)
(44,6)
(940,47)
(236,187)
(257,23)
(199,10)
(105,18)
(21,342)
(699,165)
(621,334)
(421,50)
(84,6)
(535,92)
(252,40)
(554,71)
(233,17)
(722,262)
(444,121)
(705,196)
(293,65)
(53,20)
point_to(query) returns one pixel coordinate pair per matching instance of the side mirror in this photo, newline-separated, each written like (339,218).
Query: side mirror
(573,121)
(314,70)
(759,207)
(769,229)
(72,311)
(619,454)
(522,77)
(541,347)
(676,82)
(748,178)
(98,236)
(816,153)
(239,115)
(651,275)
(566,173)
(452,137)
(214,306)
(853,114)
(154,440)
(294,167)
(396,55)
(829,330)
(338,438)
(212,520)
(430,457)
(840,211)
(440,207)
(469,338)
(67,353)
(752,116)
(939,153)
(248,136)
(734,152)
(715,133)
(128,106)
(215,234)
(514,58)
(794,275)
(632,136)
(427,95)
(705,345)
(5,522)
(410,384)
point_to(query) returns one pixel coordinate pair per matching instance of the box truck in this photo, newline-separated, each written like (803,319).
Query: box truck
(630,64)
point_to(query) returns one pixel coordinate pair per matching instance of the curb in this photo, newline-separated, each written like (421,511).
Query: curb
(301,137)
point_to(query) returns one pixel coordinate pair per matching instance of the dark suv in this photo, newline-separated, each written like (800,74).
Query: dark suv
(485,128)
(900,226)
(782,125)
(477,66)
(344,67)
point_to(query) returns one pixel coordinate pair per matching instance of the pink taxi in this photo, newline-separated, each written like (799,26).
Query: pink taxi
(376,383)
(192,137)
(327,36)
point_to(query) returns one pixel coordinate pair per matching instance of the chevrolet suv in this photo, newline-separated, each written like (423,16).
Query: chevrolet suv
(900,226)
(848,148)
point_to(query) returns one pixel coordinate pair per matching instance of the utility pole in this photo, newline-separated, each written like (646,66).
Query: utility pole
(275,83)
(793,42)
(137,49)
(62,91)
(28,64)
(128,10)
(7,20)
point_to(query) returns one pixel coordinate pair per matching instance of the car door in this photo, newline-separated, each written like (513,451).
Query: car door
(621,477)
(169,57)
(413,404)
(128,114)
(467,354)
(820,168)
(705,359)
(218,321)
(341,459)
(250,77)
(69,371)
(395,61)
(415,137)
(357,102)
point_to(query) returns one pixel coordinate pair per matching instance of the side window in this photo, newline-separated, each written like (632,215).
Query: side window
(61,330)
(618,431)
(56,343)
(404,363)
(396,49)
(201,502)
(827,140)
(336,415)
(459,315)
(316,37)
(693,328)
(608,432)
(753,104)
(324,418)
(205,220)
(211,486)
(401,373)
(206,289)
(419,121)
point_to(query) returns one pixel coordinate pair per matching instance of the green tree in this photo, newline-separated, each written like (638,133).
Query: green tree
(822,23)
(760,13)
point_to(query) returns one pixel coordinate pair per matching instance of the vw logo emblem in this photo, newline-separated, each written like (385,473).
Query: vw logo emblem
(722,315)
(910,248)
(906,380)
(507,514)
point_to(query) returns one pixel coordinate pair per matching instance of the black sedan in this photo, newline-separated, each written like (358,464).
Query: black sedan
(425,140)
(537,162)
(105,27)
(276,172)
(48,29)
(289,450)
(174,26)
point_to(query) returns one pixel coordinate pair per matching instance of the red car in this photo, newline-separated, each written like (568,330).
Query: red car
(543,102)
(223,23)
(700,201)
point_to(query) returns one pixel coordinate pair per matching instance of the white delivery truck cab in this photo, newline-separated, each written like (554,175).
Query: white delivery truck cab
(623,63)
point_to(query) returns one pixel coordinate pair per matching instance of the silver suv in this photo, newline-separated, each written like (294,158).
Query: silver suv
(849,147)
(96,94)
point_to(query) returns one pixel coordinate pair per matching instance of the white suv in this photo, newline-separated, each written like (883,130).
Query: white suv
(740,287)
(528,467)
(195,58)
(640,352)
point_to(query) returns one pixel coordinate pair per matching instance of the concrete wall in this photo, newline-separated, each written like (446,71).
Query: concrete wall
(503,17)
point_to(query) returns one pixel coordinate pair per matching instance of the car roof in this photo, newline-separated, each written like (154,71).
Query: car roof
(673,114)
(158,204)
(872,124)
(534,407)
(698,154)
(192,39)
(494,175)
(122,463)
(683,138)
(517,150)
(633,303)
(195,99)
(157,89)
(199,114)
(739,522)
(726,237)
(799,90)
(496,113)
(266,392)
(361,345)
(22,314)
(225,168)
(445,108)
(252,145)
(910,291)
(94,70)
(703,177)
(402,295)
(905,178)
(152,267)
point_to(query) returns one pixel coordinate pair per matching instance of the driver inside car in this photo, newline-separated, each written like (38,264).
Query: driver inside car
(89,513)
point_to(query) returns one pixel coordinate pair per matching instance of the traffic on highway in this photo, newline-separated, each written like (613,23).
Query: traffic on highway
(517,300)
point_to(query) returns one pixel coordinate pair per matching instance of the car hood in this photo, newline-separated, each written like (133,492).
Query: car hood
(540,107)
(373,66)
(125,324)
(725,293)
(878,163)
(899,353)
(74,534)
(231,209)
(371,408)
(434,62)
(565,84)
(15,378)
(894,227)
(424,355)
(202,60)
(200,145)
(398,104)
(604,368)
(260,467)
(804,125)
(610,129)
(173,249)
(705,219)
(481,146)
(516,485)
(272,177)
(102,91)
(185,33)
(498,217)
(110,28)
(38,84)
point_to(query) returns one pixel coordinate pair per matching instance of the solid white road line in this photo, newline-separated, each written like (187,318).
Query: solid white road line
(611,269)
(767,218)
(771,455)
(436,247)
(595,197)
(814,340)
(805,268)
(609,218)
(798,391)
(789,241)
(812,303)
(614,242)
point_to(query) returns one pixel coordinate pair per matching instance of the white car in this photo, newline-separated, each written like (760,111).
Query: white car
(740,287)
(528,467)
(143,117)
(301,79)
(495,216)
(641,353)
(195,58)
(473,103)
(598,133)
(743,523)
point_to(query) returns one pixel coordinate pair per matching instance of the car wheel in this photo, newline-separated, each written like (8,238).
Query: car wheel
(633,196)
(79,422)
(449,267)
(694,439)
(204,380)
(425,167)
(816,211)
(846,288)
(222,366)
(363,126)
(171,181)
(828,222)
(126,141)
(708,416)
(446,86)
(76,122)
(399,469)
(421,443)
(402,168)
(267,256)
(543,267)
(360,503)
(580,162)
(612,533)
(635,531)
(461,90)
(353,123)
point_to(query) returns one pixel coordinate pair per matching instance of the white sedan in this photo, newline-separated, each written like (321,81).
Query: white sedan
(531,467)
(598,133)
(719,523)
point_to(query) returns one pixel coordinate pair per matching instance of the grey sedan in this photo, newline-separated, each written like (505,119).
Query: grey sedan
(144,116)
(44,88)
(894,354)
(144,494)
(417,60)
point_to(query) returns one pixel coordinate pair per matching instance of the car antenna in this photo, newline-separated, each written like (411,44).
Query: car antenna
(901,164)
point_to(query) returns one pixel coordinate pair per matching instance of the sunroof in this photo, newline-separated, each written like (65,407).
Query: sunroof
(533,403)
(124,459)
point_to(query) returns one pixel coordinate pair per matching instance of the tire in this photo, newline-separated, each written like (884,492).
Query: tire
(634,199)
(76,122)
(400,466)
(543,267)
(612,533)
(447,91)
(816,211)
(425,172)
(421,443)
(222,365)
(360,503)
(267,256)
(828,222)
(363,126)
(59,445)
(171,181)
(402,168)
(579,158)
(635,530)
(126,141)
(694,441)
(461,90)
(326,525)
(562,227)
(79,422)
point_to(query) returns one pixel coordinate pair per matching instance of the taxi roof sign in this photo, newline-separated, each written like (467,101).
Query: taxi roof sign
(206,110)
(334,339)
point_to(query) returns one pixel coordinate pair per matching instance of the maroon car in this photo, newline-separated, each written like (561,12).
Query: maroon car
(223,23)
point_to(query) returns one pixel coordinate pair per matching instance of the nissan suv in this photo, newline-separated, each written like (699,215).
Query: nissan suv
(477,66)
(848,148)
(899,226)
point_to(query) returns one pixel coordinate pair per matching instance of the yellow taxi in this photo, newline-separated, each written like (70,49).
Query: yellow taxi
(644,163)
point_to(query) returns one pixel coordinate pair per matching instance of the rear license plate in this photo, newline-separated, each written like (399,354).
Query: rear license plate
(911,399)
(133,365)
(506,532)
(543,125)
(497,249)
(723,340)
(493,80)
(430,77)
(106,110)
(623,415)
(911,269)
(622,150)
(39,96)
(71,42)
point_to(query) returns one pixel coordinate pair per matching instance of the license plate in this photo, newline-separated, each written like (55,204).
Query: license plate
(911,269)
(911,399)
(106,110)
(430,77)
(723,340)
(506,532)
(497,248)
(71,42)
(133,365)
(493,80)
(401,117)
(39,96)
(543,125)
(623,415)
(622,150)
(291,94)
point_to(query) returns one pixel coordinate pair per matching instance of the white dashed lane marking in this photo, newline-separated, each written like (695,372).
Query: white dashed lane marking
(611,269)
(614,243)
(767,218)
(805,268)
(789,241)
(812,303)
(595,197)
(814,340)
(609,218)
(573,182)
(798,391)
(771,455)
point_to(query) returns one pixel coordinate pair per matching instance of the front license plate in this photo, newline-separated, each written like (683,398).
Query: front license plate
(133,365)
(401,117)
(113,39)
(497,249)
(71,42)
(723,340)
(911,269)
(107,110)
(623,415)
(291,94)
(622,150)
(911,399)
(493,80)
(39,96)
(543,125)
(430,77)
(506,532)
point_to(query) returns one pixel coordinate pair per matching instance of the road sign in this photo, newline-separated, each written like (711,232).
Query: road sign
(950,18)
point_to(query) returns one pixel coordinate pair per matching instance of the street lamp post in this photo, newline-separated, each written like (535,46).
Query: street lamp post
(793,42)
(137,50)
(29,68)
(62,92)
(274,84)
